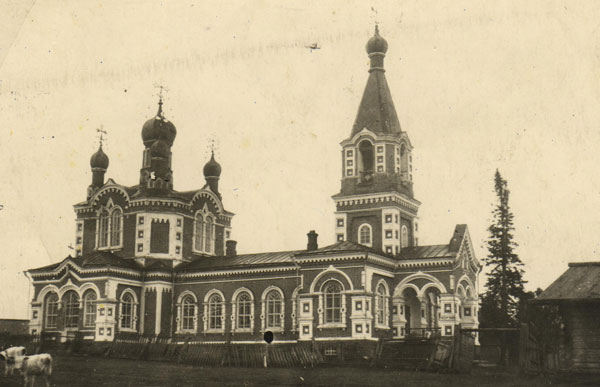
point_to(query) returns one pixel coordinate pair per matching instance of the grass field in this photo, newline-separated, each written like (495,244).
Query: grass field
(92,372)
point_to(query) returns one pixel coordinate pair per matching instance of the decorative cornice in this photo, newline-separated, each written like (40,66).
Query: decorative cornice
(200,274)
(103,269)
(386,197)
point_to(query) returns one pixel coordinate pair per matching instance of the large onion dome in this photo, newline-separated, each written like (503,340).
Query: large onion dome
(158,128)
(212,168)
(99,159)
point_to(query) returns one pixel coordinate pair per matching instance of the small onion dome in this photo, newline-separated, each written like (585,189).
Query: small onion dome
(212,168)
(377,43)
(158,128)
(160,149)
(99,159)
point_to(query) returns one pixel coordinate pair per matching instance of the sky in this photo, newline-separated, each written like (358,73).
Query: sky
(478,86)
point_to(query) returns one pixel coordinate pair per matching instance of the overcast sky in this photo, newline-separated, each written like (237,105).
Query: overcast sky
(477,85)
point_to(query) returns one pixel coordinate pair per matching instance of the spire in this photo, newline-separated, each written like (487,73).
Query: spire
(376,111)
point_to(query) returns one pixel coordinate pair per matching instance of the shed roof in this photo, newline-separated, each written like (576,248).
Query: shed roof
(581,282)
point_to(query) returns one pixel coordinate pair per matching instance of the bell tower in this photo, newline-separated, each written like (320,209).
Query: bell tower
(376,205)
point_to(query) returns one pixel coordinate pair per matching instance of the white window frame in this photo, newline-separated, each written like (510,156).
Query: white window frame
(89,308)
(235,311)
(73,308)
(323,306)
(208,233)
(360,228)
(109,209)
(181,306)
(382,305)
(264,310)
(207,312)
(134,317)
(46,311)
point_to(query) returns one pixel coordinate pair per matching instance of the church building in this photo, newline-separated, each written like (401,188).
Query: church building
(156,261)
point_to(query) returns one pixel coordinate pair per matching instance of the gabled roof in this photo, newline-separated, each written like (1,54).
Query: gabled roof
(581,282)
(345,246)
(376,111)
(95,259)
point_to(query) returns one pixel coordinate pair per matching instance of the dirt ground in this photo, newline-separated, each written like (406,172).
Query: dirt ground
(92,372)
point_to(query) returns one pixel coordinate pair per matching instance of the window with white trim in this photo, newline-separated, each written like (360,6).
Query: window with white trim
(103,229)
(333,302)
(381,304)
(244,311)
(204,232)
(274,308)
(404,237)
(71,300)
(188,312)
(215,312)
(364,235)
(109,228)
(116,219)
(199,232)
(51,310)
(210,230)
(127,314)
(89,308)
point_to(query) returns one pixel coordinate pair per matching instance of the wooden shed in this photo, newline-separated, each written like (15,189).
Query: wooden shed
(577,293)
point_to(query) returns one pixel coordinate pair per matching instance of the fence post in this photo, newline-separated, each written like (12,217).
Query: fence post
(523,339)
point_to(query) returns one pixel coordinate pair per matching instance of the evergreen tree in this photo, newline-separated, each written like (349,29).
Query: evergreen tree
(504,286)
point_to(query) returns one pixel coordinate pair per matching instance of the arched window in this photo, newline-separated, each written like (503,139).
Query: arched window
(115,227)
(365,149)
(209,234)
(51,311)
(199,233)
(404,240)
(89,308)
(103,229)
(404,161)
(71,299)
(381,305)
(364,235)
(188,312)
(244,311)
(274,308)
(215,312)
(333,302)
(127,311)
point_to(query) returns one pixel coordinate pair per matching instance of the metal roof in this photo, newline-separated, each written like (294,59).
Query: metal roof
(580,282)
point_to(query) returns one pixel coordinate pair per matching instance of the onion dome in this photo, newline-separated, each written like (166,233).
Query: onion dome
(99,159)
(160,149)
(377,43)
(212,168)
(158,128)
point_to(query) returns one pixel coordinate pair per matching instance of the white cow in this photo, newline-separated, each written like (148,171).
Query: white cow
(8,356)
(34,365)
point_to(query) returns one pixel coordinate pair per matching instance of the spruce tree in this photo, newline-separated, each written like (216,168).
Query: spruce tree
(504,286)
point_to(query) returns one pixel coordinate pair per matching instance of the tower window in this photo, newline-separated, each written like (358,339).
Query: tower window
(388,218)
(340,237)
(340,222)
(380,159)
(388,249)
(380,168)
(79,226)
(388,233)
(141,220)
(349,172)
(404,241)
(349,162)
(115,227)
(379,150)
(349,153)
(159,237)
(366,156)
(140,233)
(364,235)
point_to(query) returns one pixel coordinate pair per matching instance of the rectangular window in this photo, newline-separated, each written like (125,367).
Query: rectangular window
(140,233)
(141,220)
(306,307)
(108,331)
(380,168)
(78,240)
(388,249)
(109,310)
(227,234)
(349,172)
(101,331)
(340,222)
(401,309)
(367,306)
(380,149)
(388,218)
(396,249)
(305,329)
(177,249)
(447,308)
(358,305)
(388,233)
(380,159)
(358,328)
(349,163)
(101,311)
(402,331)
(448,330)
(178,222)
(349,153)
(79,226)
(140,247)
(394,309)
(178,236)
(340,237)
(159,237)
(395,331)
